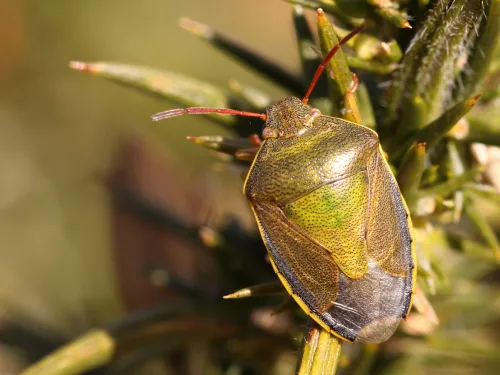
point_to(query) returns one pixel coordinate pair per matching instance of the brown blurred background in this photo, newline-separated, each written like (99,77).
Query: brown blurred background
(60,132)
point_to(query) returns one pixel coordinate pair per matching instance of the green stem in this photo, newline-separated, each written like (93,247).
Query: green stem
(94,349)
(320,353)
(448,187)
(339,75)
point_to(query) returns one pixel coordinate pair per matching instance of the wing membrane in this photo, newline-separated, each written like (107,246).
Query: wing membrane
(369,309)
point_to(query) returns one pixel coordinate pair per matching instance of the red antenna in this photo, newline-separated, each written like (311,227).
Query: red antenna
(204,111)
(327,58)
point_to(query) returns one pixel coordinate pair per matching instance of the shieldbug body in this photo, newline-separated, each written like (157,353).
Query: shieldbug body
(332,217)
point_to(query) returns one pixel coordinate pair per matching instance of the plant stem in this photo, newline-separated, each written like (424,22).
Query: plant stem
(94,349)
(320,353)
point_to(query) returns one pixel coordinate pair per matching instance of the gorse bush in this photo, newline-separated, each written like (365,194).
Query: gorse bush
(428,75)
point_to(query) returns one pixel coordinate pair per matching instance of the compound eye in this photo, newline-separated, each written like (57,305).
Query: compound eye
(269,133)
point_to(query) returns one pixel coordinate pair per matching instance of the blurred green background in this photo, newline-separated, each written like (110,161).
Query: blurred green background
(59,132)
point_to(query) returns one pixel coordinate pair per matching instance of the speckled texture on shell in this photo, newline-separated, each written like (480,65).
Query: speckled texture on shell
(334,222)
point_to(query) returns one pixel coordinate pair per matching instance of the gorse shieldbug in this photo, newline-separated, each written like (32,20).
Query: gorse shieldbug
(331,215)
